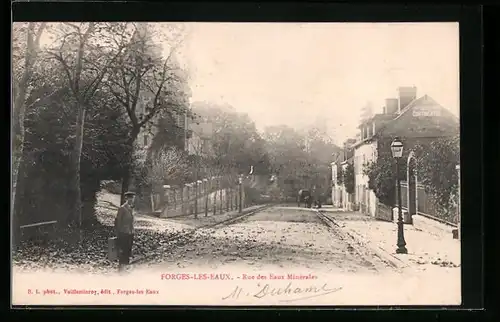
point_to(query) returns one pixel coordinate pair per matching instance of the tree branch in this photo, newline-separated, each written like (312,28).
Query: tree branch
(66,69)
(79,62)
(97,80)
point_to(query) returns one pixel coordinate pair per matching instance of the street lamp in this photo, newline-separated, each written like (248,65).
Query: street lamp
(397,153)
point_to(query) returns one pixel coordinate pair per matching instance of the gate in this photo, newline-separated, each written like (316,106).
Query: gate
(411,175)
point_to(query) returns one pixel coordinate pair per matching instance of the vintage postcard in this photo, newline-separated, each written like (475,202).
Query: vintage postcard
(235,164)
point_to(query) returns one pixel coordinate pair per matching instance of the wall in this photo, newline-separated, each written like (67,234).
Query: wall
(347,199)
(335,195)
(195,145)
(366,198)
(199,142)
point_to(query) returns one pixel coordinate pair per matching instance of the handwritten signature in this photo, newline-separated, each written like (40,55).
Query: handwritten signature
(268,290)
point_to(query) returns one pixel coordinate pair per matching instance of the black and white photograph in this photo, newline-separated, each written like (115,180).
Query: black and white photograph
(235,164)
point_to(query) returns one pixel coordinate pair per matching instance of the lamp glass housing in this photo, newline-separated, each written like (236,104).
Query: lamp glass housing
(397,149)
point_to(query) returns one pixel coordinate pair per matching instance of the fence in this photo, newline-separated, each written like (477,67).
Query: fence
(209,196)
(426,205)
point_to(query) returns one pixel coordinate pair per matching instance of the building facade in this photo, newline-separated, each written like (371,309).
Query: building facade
(176,125)
(364,197)
(340,197)
(198,141)
(414,120)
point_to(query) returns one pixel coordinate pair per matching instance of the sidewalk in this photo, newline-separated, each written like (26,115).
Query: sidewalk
(425,247)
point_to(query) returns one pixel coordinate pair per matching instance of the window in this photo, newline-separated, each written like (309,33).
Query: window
(145,140)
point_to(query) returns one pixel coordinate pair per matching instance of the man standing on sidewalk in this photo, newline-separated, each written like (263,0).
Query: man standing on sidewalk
(124,229)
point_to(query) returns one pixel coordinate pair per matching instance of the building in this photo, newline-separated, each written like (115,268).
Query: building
(199,142)
(176,123)
(340,197)
(147,48)
(414,120)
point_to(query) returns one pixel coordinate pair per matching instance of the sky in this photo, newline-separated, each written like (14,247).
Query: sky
(296,73)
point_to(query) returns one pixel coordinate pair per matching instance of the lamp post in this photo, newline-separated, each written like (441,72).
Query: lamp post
(397,153)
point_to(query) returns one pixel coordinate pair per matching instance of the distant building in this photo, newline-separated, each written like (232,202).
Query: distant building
(340,197)
(149,131)
(415,120)
(146,96)
(199,142)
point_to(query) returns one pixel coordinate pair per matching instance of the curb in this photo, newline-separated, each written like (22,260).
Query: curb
(383,254)
(377,251)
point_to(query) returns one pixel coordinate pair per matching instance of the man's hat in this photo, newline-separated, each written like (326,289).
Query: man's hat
(129,194)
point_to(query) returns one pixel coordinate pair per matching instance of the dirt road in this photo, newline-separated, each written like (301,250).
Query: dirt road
(279,236)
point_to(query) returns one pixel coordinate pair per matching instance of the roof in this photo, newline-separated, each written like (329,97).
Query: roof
(417,100)
(410,106)
(394,117)
(350,160)
(338,157)
(378,117)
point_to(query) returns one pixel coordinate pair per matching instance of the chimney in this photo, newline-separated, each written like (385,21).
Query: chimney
(391,106)
(406,95)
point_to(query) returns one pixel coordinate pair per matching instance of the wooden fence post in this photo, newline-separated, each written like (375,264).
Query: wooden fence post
(174,194)
(221,201)
(189,198)
(215,199)
(166,201)
(226,193)
(236,194)
(231,197)
(240,192)
(206,193)
(183,208)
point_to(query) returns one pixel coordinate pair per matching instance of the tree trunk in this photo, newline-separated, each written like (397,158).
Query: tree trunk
(76,153)
(17,202)
(126,178)
(32,46)
(125,183)
(75,164)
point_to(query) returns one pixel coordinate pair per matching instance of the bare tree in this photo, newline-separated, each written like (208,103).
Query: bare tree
(166,164)
(147,85)
(85,52)
(20,84)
